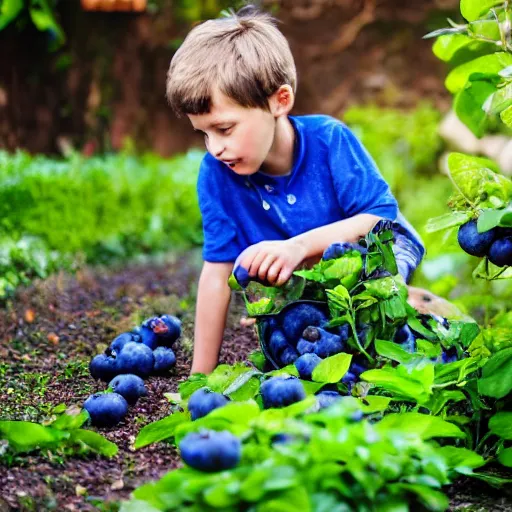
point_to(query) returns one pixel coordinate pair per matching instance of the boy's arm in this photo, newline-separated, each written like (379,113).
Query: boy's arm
(213,297)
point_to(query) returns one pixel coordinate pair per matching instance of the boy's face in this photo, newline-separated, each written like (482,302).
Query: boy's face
(238,136)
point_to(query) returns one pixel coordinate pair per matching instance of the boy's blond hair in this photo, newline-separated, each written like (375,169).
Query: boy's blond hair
(244,55)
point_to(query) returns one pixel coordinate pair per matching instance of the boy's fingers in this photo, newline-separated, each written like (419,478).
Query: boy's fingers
(256,263)
(284,275)
(273,271)
(265,266)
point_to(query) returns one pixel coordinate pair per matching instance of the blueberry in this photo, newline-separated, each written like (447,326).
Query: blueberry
(167,328)
(473,242)
(337,250)
(203,401)
(328,345)
(129,386)
(349,378)
(281,391)
(106,409)
(500,252)
(356,369)
(282,438)
(299,316)
(147,336)
(305,365)
(326,398)
(210,451)
(103,367)
(277,344)
(243,278)
(405,338)
(289,356)
(136,358)
(120,341)
(305,347)
(165,359)
(450,355)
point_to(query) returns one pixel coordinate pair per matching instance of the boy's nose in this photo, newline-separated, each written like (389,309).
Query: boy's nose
(216,149)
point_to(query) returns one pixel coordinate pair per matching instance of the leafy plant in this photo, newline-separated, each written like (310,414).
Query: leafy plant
(63,434)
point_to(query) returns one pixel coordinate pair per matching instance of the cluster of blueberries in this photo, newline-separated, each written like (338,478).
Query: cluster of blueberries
(130,358)
(209,450)
(496,243)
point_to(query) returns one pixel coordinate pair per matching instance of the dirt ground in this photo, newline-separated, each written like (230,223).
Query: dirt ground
(48,335)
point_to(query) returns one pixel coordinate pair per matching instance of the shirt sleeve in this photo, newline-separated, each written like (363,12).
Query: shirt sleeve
(221,242)
(360,187)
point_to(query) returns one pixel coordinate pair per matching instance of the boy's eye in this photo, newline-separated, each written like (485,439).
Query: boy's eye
(225,131)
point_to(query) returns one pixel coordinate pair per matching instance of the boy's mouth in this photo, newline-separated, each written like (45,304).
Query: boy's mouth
(232,163)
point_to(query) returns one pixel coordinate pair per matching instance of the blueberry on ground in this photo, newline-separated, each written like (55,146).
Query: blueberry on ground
(167,328)
(130,387)
(299,316)
(147,336)
(136,358)
(120,341)
(500,252)
(328,345)
(106,409)
(305,365)
(326,398)
(165,359)
(281,391)
(103,367)
(203,401)
(473,242)
(210,451)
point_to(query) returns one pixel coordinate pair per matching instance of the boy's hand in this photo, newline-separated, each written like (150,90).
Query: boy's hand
(273,261)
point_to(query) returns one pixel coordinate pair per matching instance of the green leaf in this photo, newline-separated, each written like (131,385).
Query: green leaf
(490,64)
(94,441)
(501,424)
(474,9)
(448,220)
(505,457)
(430,498)
(257,358)
(135,505)
(499,101)
(422,425)
(506,116)
(161,429)
(9,10)
(496,378)
(394,351)
(224,375)
(374,403)
(469,105)
(71,421)
(461,459)
(474,175)
(491,218)
(332,369)
(24,436)
(193,383)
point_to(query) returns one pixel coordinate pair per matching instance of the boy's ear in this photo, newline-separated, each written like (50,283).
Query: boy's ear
(281,102)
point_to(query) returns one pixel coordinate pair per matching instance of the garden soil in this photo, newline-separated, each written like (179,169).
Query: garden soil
(48,334)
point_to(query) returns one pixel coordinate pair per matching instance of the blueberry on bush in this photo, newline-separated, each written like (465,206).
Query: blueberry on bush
(305,347)
(281,391)
(103,367)
(106,409)
(289,356)
(305,365)
(405,338)
(500,252)
(130,387)
(136,358)
(326,398)
(299,316)
(210,451)
(203,401)
(473,242)
(120,341)
(165,359)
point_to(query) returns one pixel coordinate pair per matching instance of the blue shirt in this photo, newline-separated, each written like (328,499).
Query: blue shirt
(333,178)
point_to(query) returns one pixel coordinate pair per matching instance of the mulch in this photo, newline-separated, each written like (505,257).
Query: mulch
(55,326)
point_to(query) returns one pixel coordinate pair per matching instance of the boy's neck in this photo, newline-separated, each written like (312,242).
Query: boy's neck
(279,160)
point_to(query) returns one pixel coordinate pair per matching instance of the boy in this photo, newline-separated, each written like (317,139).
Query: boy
(274,190)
